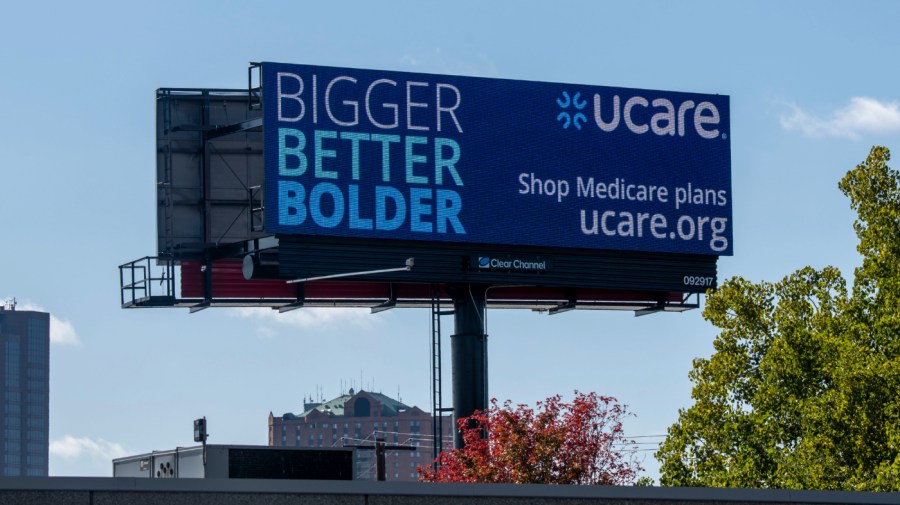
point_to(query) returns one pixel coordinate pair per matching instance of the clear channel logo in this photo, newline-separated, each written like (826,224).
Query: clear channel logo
(533,264)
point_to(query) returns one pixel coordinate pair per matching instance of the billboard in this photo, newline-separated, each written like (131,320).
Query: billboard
(407,156)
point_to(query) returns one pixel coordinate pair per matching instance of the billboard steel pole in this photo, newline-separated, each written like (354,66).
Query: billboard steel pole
(468,354)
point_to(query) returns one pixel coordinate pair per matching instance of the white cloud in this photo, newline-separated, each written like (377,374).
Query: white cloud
(62,331)
(436,60)
(309,317)
(70,447)
(409,60)
(862,115)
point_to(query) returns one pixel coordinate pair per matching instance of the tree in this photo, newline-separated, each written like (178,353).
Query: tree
(581,442)
(803,389)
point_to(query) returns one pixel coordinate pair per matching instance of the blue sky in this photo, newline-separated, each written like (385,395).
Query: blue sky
(812,84)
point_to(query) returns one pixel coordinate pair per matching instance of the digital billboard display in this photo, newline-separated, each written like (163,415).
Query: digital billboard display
(410,156)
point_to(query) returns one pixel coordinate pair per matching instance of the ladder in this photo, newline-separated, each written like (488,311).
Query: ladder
(437,413)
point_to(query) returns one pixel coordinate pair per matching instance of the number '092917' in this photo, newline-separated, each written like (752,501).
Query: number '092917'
(695,280)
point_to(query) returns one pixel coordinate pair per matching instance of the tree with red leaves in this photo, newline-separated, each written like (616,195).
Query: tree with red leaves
(581,442)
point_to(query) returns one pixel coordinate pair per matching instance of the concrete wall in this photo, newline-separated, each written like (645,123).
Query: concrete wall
(131,491)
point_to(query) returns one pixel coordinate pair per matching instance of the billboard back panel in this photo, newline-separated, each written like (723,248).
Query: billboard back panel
(407,156)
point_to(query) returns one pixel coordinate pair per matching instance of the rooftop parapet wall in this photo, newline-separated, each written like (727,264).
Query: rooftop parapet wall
(127,491)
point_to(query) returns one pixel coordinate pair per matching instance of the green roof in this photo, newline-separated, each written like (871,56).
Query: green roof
(335,407)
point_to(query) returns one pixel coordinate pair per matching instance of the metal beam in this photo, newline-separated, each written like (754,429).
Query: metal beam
(221,131)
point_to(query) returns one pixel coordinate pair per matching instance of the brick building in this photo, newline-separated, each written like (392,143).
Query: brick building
(24,391)
(356,419)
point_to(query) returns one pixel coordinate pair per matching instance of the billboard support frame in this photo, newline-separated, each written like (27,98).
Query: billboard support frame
(468,354)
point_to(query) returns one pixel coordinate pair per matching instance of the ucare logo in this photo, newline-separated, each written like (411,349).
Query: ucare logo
(567,118)
(641,115)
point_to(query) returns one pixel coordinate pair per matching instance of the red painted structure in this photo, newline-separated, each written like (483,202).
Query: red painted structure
(228,282)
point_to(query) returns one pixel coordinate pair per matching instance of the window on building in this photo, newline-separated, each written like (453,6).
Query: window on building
(12,364)
(38,398)
(362,407)
(37,423)
(36,410)
(37,341)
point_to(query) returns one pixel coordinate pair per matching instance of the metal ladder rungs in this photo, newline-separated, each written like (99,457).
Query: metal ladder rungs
(437,408)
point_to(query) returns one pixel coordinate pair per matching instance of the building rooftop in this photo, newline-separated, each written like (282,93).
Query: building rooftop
(335,407)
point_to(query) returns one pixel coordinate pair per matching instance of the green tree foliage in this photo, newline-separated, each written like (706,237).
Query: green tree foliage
(803,389)
(581,442)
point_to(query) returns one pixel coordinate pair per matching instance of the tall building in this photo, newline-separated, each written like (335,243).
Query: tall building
(357,419)
(25,386)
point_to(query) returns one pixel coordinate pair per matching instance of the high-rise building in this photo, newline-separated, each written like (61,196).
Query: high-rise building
(356,419)
(25,390)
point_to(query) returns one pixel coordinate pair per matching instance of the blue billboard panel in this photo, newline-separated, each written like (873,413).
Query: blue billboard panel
(398,155)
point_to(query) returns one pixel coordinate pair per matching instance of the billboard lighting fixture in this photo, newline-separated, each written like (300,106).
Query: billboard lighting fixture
(410,262)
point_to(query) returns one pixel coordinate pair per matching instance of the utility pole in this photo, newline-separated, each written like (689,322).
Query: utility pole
(380,450)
